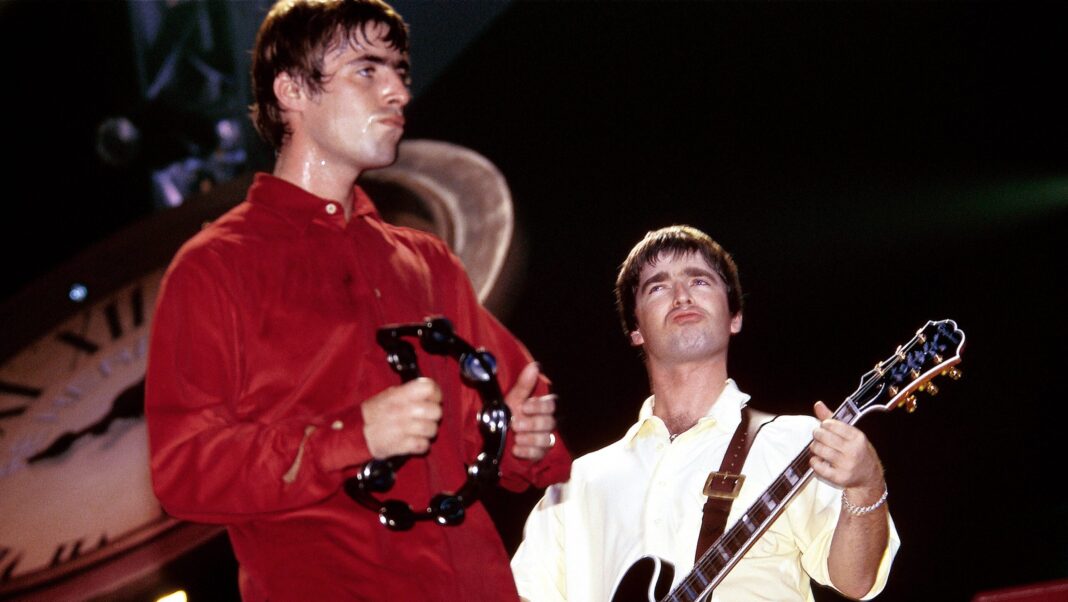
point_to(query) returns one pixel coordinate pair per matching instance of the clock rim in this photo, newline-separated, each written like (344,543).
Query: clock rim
(122,562)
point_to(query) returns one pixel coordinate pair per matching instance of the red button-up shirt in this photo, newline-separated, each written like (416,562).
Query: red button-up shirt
(263,348)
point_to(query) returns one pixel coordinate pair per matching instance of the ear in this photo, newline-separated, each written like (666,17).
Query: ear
(736,323)
(288,91)
(636,339)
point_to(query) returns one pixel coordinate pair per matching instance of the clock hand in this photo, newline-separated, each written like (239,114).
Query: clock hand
(57,447)
(128,404)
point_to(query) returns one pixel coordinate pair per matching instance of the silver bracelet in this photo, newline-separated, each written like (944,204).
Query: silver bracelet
(862,510)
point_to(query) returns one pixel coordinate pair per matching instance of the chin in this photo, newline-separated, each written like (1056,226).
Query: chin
(382,160)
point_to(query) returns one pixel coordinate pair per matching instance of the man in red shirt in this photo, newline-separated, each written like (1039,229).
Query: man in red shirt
(266,390)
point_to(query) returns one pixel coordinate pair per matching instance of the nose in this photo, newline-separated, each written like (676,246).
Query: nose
(396,91)
(681,295)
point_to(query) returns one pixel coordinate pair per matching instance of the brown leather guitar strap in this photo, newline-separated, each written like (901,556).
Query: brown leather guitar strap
(722,486)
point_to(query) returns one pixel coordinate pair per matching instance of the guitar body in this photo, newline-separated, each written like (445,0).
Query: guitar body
(647,580)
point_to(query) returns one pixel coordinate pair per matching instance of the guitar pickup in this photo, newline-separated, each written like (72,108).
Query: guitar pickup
(723,485)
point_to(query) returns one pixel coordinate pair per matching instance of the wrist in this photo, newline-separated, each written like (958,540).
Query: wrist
(856,510)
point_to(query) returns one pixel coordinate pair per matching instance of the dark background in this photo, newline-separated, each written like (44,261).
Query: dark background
(871,166)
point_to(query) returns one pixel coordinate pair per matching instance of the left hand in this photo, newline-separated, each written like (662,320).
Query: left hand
(532,417)
(843,456)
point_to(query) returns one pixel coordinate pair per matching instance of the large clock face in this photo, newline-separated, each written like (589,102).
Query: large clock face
(72,403)
(79,517)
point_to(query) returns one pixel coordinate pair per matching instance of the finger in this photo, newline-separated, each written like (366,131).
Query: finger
(824,452)
(425,411)
(822,411)
(526,452)
(534,424)
(423,389)
(524,385)
(422,428)
(543,440)
(823,469)
(417,445)
(530,452)
(826,436)
(546,404)
(533,446)
(841,429)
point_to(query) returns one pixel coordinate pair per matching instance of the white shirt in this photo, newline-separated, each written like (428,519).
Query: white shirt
(643,495)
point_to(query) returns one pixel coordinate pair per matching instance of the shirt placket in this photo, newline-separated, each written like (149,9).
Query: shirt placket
(660,502)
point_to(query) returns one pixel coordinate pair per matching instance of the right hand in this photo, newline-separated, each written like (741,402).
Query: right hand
(402,420)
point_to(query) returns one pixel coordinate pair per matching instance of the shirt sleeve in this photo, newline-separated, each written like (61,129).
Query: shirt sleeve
(823,503)
(538,564)
(209,463)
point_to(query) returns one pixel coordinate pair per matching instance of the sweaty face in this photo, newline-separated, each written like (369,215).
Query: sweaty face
(682,311)
(358,118)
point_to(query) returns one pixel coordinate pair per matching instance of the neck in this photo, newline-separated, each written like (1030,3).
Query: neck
(322,177)
(686,392)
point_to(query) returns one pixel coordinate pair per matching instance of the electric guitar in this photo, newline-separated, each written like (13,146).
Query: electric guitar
(934,351)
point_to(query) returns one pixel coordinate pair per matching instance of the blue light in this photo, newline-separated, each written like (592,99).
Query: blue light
(78,292)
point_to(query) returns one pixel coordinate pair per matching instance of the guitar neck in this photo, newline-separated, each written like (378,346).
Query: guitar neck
(722,555)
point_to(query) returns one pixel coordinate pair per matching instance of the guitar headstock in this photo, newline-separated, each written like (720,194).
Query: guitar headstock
(934,351)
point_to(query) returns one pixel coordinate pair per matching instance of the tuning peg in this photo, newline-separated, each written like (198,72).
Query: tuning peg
(930,389)
(953,373)
(910,404)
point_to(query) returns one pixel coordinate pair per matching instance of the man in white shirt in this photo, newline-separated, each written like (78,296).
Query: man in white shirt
(680,300)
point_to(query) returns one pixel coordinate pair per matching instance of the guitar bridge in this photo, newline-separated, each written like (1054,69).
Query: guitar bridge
(723,485)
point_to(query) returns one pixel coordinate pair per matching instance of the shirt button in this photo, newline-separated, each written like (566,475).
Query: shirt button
(331,208)
(378,293)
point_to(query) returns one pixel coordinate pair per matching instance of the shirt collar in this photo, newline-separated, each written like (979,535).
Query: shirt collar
(298,206)
(725,413)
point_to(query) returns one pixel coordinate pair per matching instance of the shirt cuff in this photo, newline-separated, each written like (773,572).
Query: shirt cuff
(340,443)
(518,474)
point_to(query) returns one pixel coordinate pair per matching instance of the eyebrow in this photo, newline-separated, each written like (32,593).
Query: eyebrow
(368,57)
(364,56)
(662,275)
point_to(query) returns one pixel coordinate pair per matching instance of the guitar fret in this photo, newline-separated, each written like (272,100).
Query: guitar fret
(748,524)
(847,413)
(769,503)
(759,514)
(791,476)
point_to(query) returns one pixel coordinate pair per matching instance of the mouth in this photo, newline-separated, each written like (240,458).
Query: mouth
(684,316)
(396,121)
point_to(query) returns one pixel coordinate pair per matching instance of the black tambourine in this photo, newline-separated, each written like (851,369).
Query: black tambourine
(478,368)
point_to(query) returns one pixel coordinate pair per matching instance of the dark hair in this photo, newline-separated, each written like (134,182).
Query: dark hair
(295,37)
(672,241)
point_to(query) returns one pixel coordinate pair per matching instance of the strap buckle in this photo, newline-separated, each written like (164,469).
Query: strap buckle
(723,485)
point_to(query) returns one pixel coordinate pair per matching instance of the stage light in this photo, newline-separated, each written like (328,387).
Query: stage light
(178,596)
